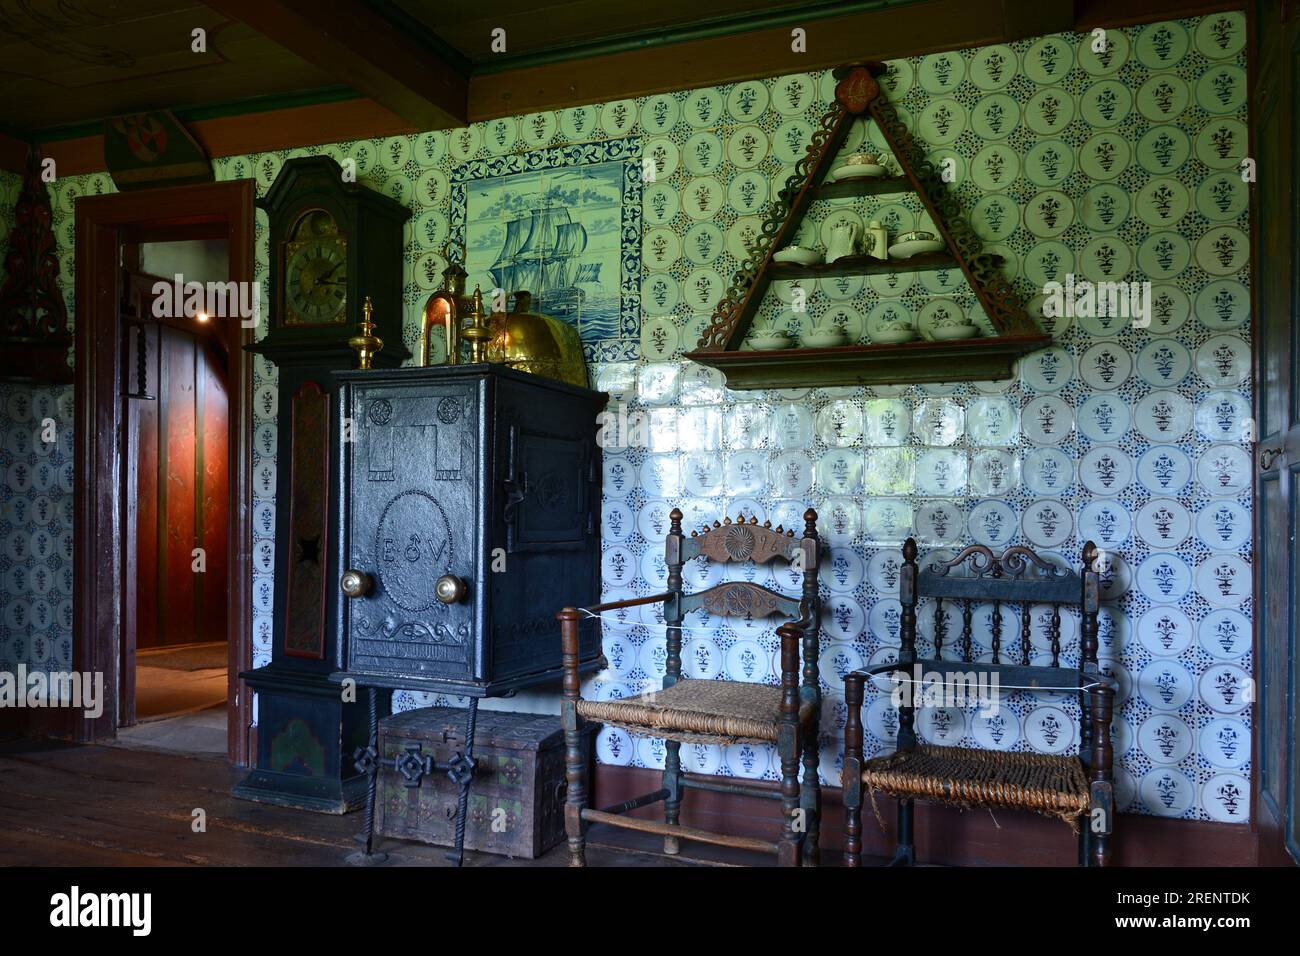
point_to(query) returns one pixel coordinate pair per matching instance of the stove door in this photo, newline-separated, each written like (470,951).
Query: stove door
(411,501)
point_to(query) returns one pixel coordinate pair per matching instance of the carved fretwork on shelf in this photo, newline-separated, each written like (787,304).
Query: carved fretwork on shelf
(34,337)
(857,94)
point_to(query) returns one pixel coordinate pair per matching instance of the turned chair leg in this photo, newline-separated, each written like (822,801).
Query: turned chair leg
(673,784)
(575,756)
(810,700)
(904,850)
(810,802)
(851,772)
(575,776)
(794,819)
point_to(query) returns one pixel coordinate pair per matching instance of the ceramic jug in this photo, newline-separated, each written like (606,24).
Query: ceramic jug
(843,240)
(877,240)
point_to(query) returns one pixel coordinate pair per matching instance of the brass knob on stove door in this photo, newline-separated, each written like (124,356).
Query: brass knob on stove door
(450,589)
(355,584)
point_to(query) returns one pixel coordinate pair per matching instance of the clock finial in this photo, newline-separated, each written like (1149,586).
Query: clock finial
(366,344)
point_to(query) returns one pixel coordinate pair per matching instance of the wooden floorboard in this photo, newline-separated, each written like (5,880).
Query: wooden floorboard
(66,805)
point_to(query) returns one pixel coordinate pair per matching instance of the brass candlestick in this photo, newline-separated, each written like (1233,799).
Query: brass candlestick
(478,330)
(367,343)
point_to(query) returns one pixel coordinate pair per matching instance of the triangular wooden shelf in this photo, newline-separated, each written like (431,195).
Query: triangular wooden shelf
(979,359)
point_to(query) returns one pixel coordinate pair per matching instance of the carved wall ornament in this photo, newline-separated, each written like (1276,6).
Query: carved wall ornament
(34,336)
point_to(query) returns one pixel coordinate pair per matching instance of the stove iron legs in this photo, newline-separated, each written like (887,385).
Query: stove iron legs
(367,762)
(413,767)
(461,771)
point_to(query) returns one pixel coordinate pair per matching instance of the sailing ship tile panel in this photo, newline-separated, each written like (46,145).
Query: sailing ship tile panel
(1114,164)
(564,224)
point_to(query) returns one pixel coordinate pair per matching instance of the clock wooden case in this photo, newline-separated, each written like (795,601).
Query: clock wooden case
(333,243)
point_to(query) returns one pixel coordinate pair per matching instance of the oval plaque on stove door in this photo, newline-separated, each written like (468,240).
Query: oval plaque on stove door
(413,547)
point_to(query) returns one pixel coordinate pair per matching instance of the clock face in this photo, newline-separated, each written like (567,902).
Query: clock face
(316,272)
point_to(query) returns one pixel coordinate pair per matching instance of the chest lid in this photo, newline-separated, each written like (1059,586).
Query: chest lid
(503,730)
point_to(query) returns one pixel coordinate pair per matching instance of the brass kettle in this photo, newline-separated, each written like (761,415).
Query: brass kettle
(532,342)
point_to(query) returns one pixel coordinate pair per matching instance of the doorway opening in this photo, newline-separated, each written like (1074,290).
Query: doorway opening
(175,546)
(163,425)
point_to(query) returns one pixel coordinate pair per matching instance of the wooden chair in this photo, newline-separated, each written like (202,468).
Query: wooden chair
(713,711)
(1075,789)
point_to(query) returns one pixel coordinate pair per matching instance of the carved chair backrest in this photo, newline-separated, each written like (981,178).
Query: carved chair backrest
(727,541)
(1019,577)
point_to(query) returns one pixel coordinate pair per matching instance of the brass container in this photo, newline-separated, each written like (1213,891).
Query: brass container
(533,342)
(477,330)
(444,311)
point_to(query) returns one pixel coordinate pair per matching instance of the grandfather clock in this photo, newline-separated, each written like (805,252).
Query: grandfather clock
(333,245)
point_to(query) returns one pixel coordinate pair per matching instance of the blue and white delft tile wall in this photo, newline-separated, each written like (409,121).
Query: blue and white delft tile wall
(35,508)
(1113,165)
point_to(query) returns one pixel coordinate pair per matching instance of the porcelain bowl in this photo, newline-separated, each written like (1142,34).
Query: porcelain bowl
(951,333)
(823,338)
(893,336)
(770,341)
(798,255)
(855,171)
(914,247)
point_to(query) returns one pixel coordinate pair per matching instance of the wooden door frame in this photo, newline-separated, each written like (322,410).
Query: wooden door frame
(1272,823)
(102,223)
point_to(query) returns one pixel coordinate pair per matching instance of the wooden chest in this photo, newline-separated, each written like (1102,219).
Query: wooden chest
(516,804)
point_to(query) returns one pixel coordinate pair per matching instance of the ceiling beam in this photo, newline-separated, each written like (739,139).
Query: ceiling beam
(366,52)
(881,34)
(233,131)
(1021,19)
(912,29)
(1122,13)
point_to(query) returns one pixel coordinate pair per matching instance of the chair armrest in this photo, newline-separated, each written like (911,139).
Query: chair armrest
(791,633)
(613,605)
(880,669)
(1100,680)
(571,617)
